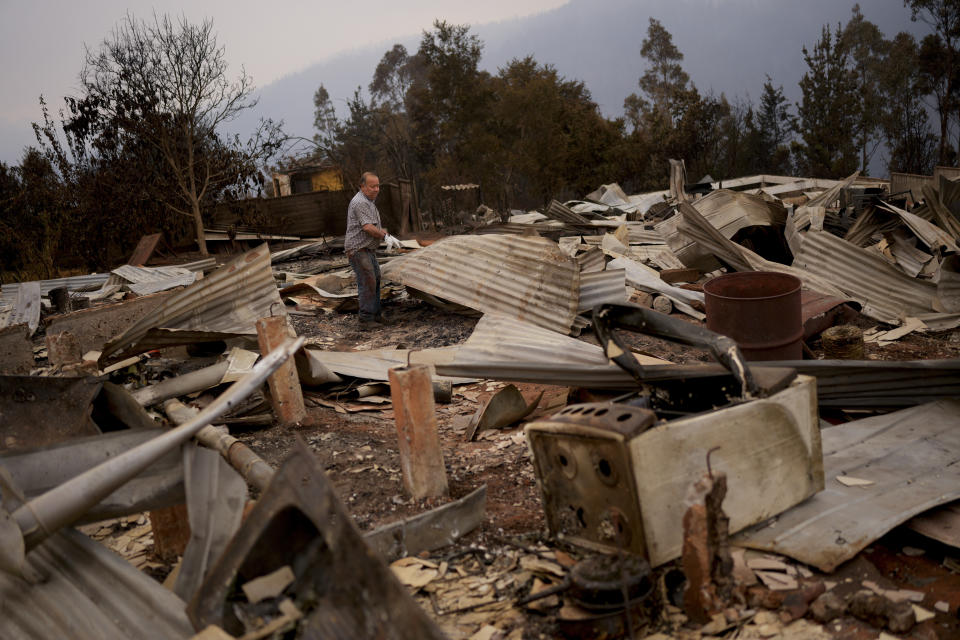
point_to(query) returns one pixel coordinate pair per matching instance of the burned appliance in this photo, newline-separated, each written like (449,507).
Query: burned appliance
(614,475)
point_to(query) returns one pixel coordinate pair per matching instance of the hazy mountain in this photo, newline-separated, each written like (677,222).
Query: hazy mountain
(728,47)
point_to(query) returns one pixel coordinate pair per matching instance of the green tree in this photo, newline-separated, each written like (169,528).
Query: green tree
(829,111)
(395,74)
(448,109)
(32,217)
(939,61)
(905,123)
(551,139)
(774,126)
(356,146)
(867,49)
(324,121)
(664,78)
(393,77)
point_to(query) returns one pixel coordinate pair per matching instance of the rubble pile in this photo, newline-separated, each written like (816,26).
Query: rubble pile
(726,409)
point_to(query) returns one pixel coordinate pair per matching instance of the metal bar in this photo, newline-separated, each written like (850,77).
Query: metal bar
(187,383)
(252,467)
(64,504)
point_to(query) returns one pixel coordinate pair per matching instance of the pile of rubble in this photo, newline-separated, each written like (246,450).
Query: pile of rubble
(616,487)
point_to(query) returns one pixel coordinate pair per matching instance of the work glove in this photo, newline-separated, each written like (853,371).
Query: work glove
(392,243)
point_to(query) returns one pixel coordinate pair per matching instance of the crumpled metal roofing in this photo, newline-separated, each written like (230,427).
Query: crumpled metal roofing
(524,277)
(909,258)
(742,259)
(948,287)
(563,213)
(26,307)
(146,280)
(910,456)
(501,348)
(602,286)
(886,293)
(228,302)
(591,260)
(879,383)
(727,211)
(374,364)
(90,593)
(931,235)
(74,283)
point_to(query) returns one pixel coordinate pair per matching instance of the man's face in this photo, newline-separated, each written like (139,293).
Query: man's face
(372,187)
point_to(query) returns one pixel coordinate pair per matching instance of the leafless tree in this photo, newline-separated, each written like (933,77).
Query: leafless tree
(166,83)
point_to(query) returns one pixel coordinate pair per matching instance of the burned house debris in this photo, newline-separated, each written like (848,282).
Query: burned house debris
(723,409)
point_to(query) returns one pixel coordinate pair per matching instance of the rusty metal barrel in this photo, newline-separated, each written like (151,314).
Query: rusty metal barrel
(760,310)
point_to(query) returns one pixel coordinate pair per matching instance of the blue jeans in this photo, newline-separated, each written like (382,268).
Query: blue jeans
(367,270)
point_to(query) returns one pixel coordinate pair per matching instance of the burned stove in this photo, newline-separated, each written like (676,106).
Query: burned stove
(614,475)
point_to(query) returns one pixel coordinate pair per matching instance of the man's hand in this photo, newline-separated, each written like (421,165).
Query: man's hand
(392,243)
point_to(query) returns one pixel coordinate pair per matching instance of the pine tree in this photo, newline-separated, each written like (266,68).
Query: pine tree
(829,111)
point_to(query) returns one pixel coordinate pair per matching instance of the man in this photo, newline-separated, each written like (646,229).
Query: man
(364,233)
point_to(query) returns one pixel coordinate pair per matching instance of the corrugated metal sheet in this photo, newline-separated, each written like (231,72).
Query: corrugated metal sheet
(503,349)
(900,182)
(648,251)
(798,185)
(950,173)
(727,211)
(636,233)
(639,235)
(229,301)
(374,364)
(948,288)
(557,211)
(90,593)
(137,275)
(591,260)
(931,235)
(146,280)
(602,286)
(940,212)
(911,458)
(886,293)
(613,196)
(26,307)
(527,278)
(742,259)
(909,258)
(879,383)
(75,283)
(204,264)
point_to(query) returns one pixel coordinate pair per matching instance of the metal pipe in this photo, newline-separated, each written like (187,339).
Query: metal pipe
(252,467)
(62,505)
(181,385)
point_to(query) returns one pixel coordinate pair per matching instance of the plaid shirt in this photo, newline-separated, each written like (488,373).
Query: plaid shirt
(361,211)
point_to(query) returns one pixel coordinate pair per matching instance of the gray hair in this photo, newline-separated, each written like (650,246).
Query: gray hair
(365,175)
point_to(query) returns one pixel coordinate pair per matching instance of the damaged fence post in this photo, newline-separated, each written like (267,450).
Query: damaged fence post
(421,461)
(285,392)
